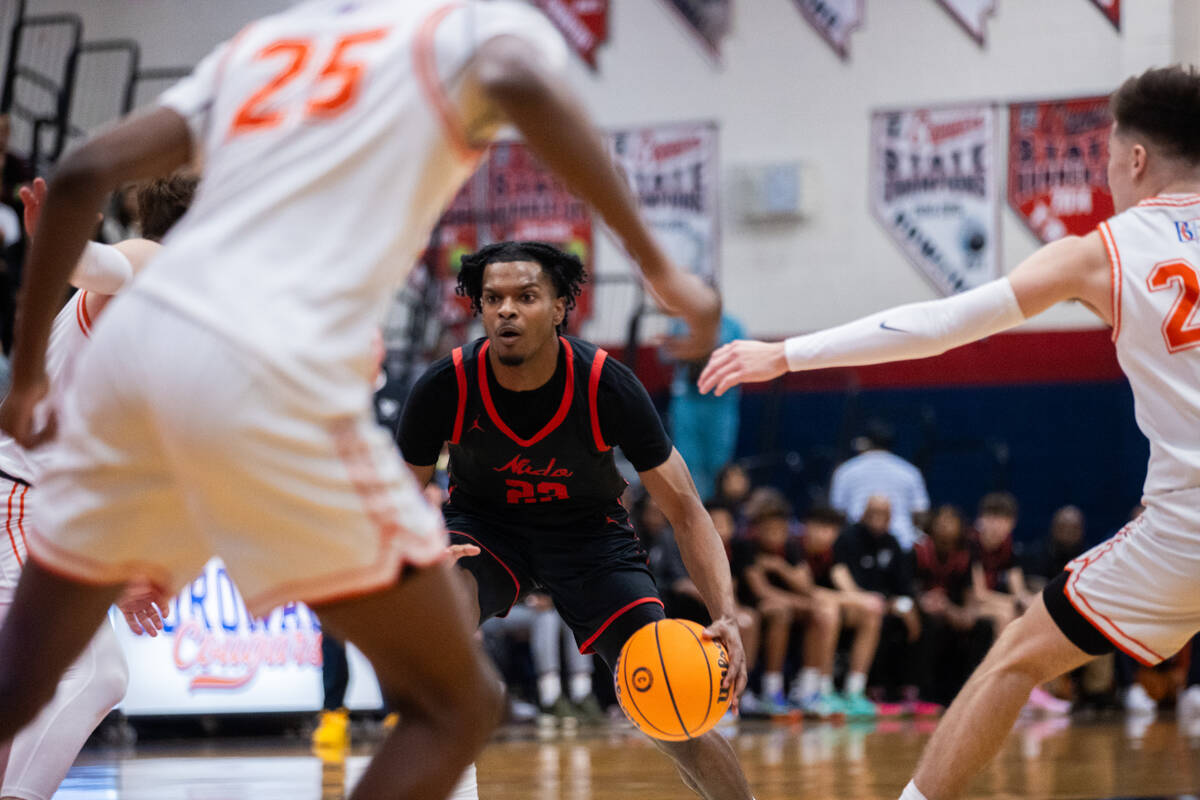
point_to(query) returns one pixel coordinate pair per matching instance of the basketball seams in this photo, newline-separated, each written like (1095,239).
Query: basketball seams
(624,667)
(707,666)
(667,680)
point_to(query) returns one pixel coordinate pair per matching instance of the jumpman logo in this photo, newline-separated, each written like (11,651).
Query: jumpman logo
(475,426)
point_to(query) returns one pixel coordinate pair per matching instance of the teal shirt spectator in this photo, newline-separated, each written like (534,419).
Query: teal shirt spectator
(704,427)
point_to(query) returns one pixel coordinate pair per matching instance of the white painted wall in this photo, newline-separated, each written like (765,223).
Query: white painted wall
(781,94)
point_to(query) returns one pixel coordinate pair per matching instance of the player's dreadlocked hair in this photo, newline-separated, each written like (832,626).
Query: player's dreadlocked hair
(565,271)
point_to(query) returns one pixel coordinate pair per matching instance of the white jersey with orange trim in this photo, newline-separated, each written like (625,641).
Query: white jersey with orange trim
(1154,249)
(68,335)
(331,143)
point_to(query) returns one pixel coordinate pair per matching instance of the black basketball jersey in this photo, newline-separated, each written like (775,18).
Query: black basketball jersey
(563,472)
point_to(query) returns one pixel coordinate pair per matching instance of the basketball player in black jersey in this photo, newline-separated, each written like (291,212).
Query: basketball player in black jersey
(531,417)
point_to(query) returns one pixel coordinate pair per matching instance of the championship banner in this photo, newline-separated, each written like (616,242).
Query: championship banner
(672,170)
(583,23)
(710,20)
(213,657)
(835,20)
(971,15)
(1057,166)
(525,202)
(1110,9)
(934,189)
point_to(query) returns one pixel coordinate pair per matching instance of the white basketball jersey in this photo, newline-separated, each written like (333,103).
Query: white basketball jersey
(1154,249)
(331,143)
(68,335)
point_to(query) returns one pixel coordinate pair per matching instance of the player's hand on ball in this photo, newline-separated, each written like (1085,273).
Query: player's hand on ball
(742,362)
(456,551)
(142,605)
(725,631)
(17,413)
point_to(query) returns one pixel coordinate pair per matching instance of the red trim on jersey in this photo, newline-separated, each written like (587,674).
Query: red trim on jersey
(81,315)
(8,527)
(1071,587)
(593,386)
(67,564)
(21,520)
(1114,259)
(425,67)
(563,408)
(1179,201)
(586,647)
(500,561)
(460,376)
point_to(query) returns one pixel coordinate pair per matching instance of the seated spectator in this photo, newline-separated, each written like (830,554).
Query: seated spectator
(998,582)
(772,577)
(535,621)
(878,471)
(1062,546)
(732,489)
(953,638)
(868,558)
(861,612)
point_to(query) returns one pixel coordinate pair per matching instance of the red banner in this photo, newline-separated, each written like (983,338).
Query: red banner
(583,23)
(1057,166)
(1110,9)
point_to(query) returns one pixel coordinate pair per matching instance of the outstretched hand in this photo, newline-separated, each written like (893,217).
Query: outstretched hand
(725,631)
(742,362)
(33,197)
(144,608)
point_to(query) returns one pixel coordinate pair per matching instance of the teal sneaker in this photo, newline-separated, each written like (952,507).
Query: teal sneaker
(857,705)
(822,706)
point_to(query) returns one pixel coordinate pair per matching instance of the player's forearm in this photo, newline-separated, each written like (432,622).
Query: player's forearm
(917,330)
(74,198)
(704,556)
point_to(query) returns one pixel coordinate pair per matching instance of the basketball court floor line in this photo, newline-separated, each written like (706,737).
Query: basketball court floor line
(1051,759)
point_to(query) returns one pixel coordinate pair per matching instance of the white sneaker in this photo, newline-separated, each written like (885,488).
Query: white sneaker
(1138,702)
(1189,702)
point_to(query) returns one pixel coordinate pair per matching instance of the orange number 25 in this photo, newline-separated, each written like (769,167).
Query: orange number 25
(335,89)
(1179,328)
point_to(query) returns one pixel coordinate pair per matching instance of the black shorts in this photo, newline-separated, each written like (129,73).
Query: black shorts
(595,571)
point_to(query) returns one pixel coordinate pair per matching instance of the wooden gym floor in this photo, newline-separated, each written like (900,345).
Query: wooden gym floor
(1086,760)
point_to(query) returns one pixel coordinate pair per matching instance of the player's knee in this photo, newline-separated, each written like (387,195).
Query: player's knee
(110,681)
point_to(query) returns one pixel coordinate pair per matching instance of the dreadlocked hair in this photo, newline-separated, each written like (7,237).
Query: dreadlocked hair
(565,271)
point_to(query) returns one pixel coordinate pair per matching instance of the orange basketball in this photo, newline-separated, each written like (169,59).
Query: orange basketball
(669,680)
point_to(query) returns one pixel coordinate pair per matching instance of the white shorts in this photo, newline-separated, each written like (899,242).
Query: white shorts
(174,446)
(1140,590)
(14,499)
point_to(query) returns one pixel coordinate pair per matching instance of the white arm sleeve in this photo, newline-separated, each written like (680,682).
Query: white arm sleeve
(102,269)
(917,330)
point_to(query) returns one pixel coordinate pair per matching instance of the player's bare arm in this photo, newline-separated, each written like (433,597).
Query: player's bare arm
(670,484)
(144,146)
(506,83)
(1074,268)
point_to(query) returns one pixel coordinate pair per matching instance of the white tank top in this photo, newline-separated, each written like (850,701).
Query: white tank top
(68,335)
(1154,249)
(331,143)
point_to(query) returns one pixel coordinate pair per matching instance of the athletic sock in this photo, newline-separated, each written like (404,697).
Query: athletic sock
(810,681)
(856,683)
(549,689)
(467,787)
(911,792)
(772,684)
(580,686)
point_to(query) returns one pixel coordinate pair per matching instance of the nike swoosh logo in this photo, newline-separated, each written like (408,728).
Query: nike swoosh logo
(887,327)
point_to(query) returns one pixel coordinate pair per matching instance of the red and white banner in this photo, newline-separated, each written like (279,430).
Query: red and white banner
(710,20)
(971,15)
(835,20)
(213,657)
(673,172)
(1057,165)
(583,23)
(1110,9)
(935,190)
